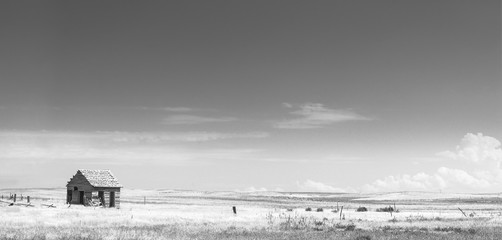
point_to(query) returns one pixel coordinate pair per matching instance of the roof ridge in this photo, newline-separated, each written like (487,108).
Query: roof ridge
(100,177)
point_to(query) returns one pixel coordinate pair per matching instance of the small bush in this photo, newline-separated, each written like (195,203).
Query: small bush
(361,209)
(448,229)
(350,227)
(308,209)
(386,228)
(364,237)
(320,210)
(385,209)
(289,209)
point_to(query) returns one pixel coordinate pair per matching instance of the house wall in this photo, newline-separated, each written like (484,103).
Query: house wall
(75,196)
(81,183)
(117,199)
(106,193)
(107,199)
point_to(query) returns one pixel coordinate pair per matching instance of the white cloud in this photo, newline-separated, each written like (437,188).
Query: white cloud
(457,177)
(444,178)
(313,186)
(316,115)
(476,148)
(483,155)
(252,189)
(193,119)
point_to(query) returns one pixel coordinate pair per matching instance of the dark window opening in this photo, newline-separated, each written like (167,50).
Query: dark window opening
(112,199)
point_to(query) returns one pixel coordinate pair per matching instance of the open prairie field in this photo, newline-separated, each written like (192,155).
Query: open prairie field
(176,214)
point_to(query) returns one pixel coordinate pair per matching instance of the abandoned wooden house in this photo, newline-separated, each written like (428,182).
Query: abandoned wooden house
(94,187)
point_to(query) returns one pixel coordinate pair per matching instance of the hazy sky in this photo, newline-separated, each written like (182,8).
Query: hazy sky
(253,95)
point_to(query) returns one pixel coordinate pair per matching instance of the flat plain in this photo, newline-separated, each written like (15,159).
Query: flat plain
(183,214)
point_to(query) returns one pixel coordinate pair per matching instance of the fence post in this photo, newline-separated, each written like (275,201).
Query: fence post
(28,199)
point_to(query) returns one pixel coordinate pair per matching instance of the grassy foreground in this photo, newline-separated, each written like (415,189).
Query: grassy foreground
(208,215)
(178,231)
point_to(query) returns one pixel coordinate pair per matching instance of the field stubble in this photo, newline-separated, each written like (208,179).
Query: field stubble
(208,215)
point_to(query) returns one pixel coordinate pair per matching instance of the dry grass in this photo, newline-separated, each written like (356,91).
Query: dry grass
(198,215)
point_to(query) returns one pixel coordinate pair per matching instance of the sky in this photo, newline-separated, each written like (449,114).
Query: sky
(311,96)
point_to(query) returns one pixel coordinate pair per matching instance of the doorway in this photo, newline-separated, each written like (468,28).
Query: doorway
(112,199)
(101,196)
(68,196)
(81,197)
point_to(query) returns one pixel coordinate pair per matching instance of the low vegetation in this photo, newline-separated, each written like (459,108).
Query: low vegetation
(361,209)
(385,209)
(196,216)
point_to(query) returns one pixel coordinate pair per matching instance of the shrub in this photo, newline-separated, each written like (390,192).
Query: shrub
(361,209)
(448,229)
(308,209)
(385,209)
(320,209)
(364,237)
(350,227)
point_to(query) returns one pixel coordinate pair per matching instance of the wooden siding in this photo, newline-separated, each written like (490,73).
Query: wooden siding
(107,199)
(78,180)
(78,183)
(117,199)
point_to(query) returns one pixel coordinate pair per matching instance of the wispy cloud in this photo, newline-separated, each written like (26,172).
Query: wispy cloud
(119,147)
(178,109)
(125,137)
(316,115)
(313,186)
(193,119)
(181,137)
(166,109)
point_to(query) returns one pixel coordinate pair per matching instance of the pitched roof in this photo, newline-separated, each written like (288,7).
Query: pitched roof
(100,178)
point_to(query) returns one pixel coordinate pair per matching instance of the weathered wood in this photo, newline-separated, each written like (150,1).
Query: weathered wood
(107,200)
(28,199)
(462,212)
(21,204)
(89,187)
(117,199)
